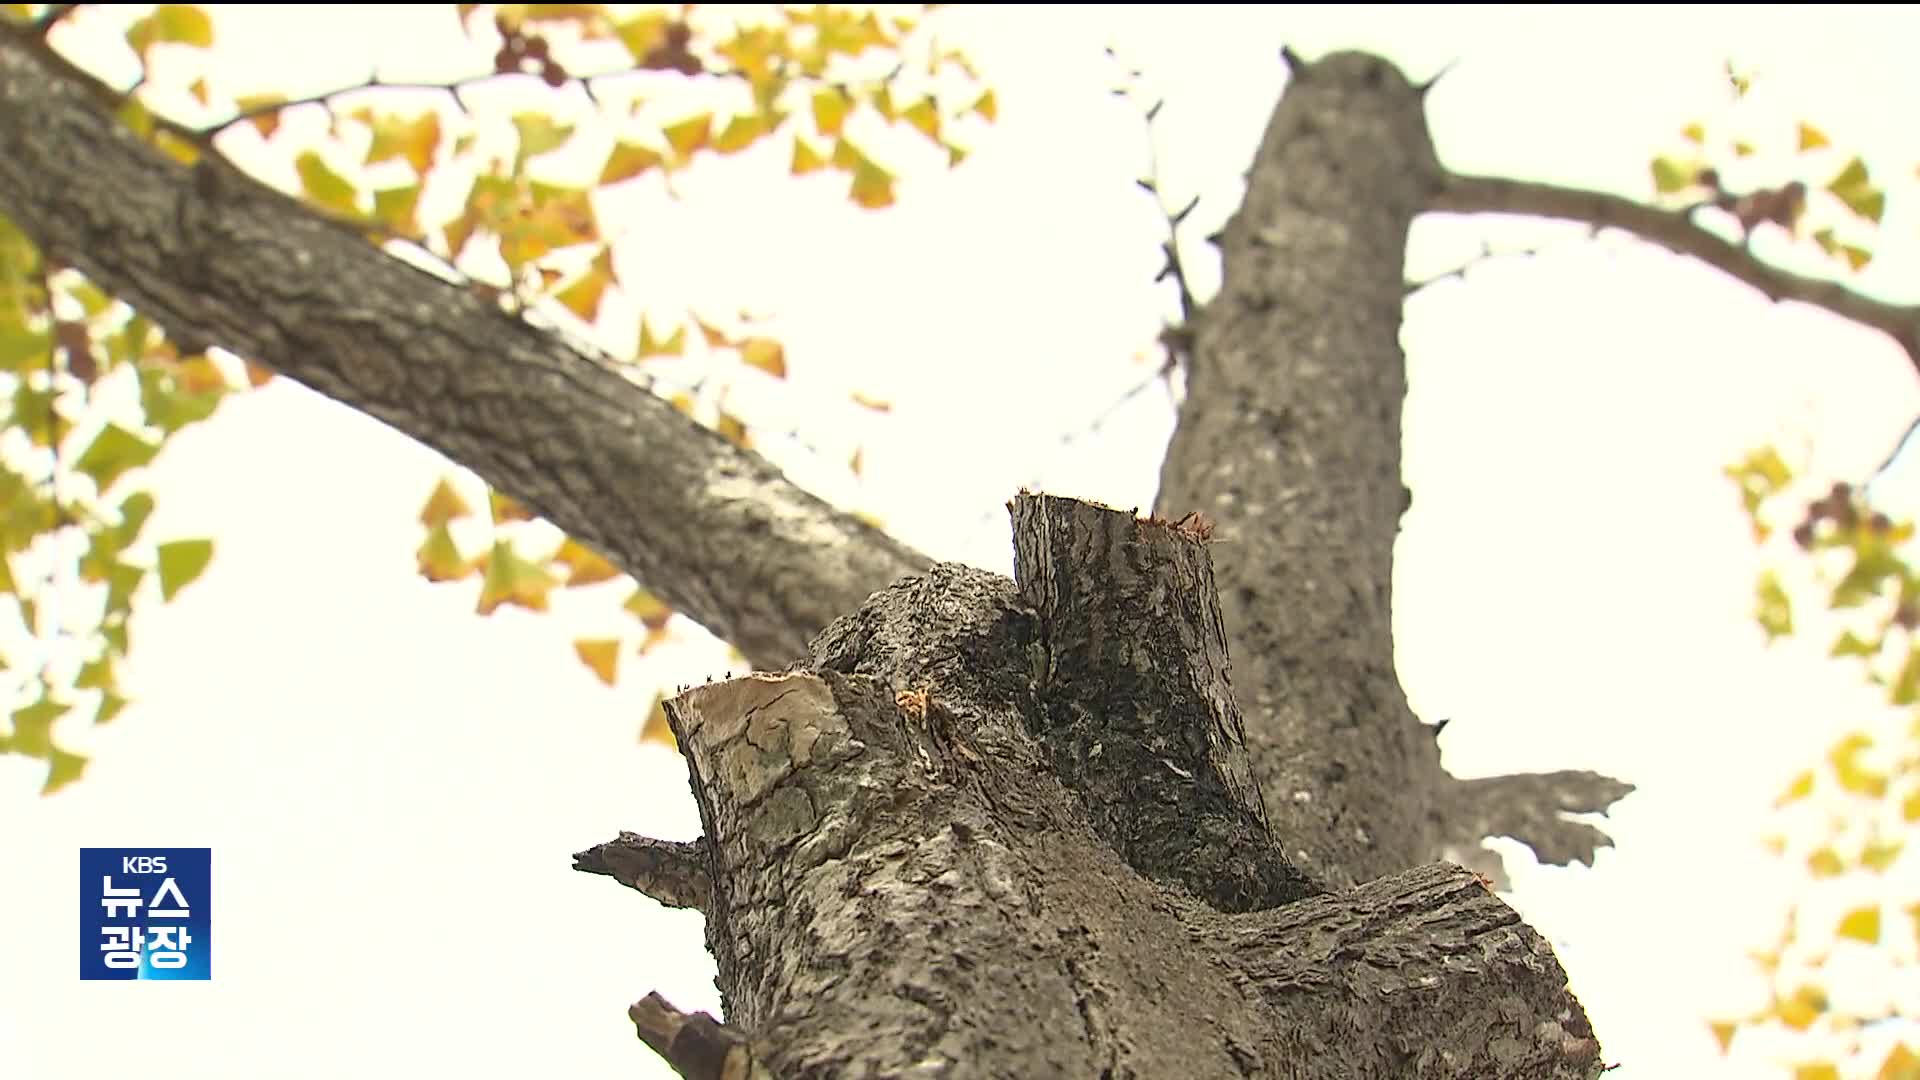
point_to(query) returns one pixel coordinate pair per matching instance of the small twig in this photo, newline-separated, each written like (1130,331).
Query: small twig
(1487,254)
(1893,455)
(1174,268)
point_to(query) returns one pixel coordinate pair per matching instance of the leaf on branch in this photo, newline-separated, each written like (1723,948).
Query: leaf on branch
(1861,924)
(439,558)
(629,160)
(674,345)
(766,354)
(655,728)
(1855,188)
(114,451)
(539,132)
(262,114)
(584,565)
(170,24)
(601,655)
(415,139)
(741,132)
(505,508)
(510,579)
(652,612)
(180,563)
(323,186)
(830,108)
(1671,177)
(689,135)
(583,297)
(805,158)
(443,505)
(1775,611)
(1812,138)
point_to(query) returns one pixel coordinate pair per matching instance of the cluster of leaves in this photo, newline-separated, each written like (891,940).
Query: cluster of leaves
(670,86)
(94,392)
(1850,206)
(1862,801)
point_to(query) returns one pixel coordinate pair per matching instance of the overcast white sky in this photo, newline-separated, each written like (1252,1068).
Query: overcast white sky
(392,786)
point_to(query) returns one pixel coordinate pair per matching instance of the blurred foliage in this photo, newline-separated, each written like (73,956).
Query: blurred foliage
(671,86)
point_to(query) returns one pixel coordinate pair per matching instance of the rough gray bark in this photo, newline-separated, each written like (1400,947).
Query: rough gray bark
(952,838)
(218,259)
(903,885)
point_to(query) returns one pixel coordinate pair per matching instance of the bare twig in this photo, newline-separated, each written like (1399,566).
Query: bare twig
(1487,254)
(1676,231)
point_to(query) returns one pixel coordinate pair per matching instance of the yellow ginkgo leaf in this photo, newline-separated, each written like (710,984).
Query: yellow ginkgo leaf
(601,655)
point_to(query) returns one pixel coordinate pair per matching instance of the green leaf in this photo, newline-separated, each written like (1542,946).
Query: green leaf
(1851,644)
(122,580)
(22,349)
(1775,612)
(444,504)
(439,558)
(397,207)
(171,405)
(113,452)
(415,139)
(1877,857)
(1671,177)
(511,579)
(95,674)
(539,134)
(33,728)
(1906,685)
(649,609)
(110,706)
(63,768)
(1855,188)
(134,511)
(171,24)
(629,160)
(114,630)
(181,561)
(324,186)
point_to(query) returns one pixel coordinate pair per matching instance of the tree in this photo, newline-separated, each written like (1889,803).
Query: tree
(1296,362)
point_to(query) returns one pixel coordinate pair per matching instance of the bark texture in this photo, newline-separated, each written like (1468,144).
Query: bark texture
(218,259)
(1290,437)
(905,885)
(1050,827)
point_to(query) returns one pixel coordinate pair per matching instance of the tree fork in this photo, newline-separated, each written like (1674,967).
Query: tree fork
(917,867)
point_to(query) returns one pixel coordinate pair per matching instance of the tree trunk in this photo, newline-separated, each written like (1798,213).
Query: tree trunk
(988,830)
(985,828)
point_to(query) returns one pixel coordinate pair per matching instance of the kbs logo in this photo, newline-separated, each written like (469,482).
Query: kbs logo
(145,913)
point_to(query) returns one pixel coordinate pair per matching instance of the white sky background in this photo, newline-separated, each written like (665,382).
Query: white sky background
(392,786)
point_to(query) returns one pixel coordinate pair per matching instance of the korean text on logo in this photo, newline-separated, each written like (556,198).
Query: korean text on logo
(146,913)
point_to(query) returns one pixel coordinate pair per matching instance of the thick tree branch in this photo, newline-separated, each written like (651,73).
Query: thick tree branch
(1532,808)
(674,873)
(1676,231)
(218,259)
(896,893)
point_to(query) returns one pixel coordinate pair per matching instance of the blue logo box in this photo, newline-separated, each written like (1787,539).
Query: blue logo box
(146,913)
